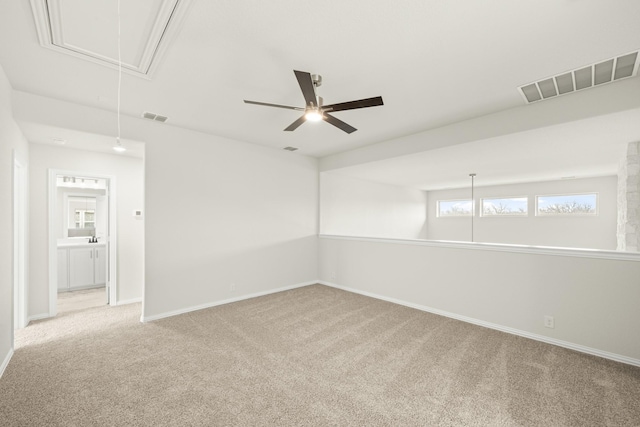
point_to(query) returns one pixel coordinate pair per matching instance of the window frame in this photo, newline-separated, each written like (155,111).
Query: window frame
(471,214)
(566,215)
(81,215)
(513,215)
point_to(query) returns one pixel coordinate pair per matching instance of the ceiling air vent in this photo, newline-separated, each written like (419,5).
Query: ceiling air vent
(290,148)
(593,75)
(154,116)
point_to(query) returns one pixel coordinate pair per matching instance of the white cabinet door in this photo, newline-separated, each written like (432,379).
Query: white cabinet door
(63,270)
(80,267)
(100,260)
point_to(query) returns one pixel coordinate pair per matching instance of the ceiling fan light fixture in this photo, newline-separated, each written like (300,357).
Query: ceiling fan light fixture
(313,115)
(315,110)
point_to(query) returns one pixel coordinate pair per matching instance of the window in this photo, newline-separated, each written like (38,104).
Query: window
(84,218)
(508,206)
(567,204)
(452,208)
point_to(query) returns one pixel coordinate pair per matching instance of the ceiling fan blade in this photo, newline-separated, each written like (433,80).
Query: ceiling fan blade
(308,90)
(352,105)
(266,104)
(338,123)
(296,124)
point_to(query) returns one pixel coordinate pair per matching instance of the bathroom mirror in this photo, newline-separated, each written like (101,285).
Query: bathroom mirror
(81,216)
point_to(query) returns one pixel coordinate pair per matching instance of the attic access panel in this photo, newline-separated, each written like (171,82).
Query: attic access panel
(89,30)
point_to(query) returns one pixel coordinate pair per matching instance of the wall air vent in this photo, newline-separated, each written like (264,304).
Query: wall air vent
(290,148)
(154,116)
(593,75)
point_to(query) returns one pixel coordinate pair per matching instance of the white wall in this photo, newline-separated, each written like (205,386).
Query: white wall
(595,232)
(256,209)
(223,212)
(594,301)
(129,173)
(354,207)
(11,140)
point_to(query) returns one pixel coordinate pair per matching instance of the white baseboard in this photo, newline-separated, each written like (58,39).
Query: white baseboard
(37,317)
(129,301)
(226,301)
(536,337)
(5,362)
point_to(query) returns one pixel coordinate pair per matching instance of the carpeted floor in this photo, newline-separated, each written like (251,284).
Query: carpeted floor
(79,300)
(312,356)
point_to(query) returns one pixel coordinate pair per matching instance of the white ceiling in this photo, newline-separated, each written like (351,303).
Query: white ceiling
(69,138)
(581,149)
(434,63)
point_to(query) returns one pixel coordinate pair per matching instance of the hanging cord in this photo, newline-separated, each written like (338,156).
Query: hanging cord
(119,144)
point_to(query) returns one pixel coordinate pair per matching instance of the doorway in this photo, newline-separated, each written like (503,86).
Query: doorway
(19,244)
(82,239)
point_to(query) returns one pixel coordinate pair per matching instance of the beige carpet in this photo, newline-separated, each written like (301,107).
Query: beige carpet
(79,300)
(311,356)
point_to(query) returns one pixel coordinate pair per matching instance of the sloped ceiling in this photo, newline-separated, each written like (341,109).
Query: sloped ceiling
(433,62)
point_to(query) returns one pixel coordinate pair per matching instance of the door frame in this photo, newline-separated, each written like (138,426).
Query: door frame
(20,290)
(53,243)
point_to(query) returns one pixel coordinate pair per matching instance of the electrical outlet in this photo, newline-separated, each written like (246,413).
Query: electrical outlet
(232,287)
(548,322)
(333,275)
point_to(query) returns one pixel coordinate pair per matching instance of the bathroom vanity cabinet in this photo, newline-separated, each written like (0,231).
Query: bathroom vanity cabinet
(81,266)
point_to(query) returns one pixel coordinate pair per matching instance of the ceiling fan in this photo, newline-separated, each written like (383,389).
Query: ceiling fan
(314,110)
